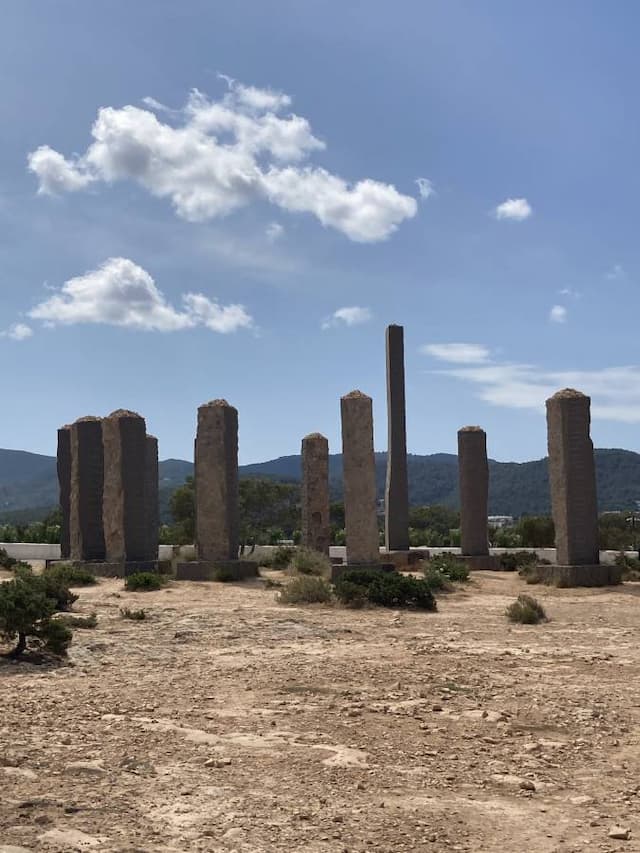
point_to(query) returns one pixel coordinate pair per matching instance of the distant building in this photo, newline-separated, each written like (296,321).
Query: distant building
(500,520)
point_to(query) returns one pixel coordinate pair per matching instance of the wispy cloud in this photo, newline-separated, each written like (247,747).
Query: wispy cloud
(18,332)
(457,353)
(274,231)
(569,293)
(616,273)
(425,188)
(558,314)
(515,209)
(351,316)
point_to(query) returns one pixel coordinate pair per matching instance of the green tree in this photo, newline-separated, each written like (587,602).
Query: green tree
(536,531)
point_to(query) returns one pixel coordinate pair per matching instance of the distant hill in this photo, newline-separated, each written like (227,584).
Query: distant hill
(28,481)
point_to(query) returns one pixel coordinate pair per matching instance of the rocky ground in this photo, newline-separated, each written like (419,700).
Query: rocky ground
(227,722)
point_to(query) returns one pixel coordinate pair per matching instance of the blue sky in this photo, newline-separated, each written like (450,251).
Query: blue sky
(203,200)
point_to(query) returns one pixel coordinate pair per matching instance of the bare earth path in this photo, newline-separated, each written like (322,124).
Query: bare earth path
(226,722)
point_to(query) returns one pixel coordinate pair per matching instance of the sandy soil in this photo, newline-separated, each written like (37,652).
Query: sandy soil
(227,722)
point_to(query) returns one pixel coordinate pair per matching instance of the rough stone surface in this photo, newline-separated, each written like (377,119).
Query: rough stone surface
(213,570)
(361,521)
(570,576)
(124,511)
(86,533)
(316,531)
(216,477)
(473,472)
(397,485)
(64,484)
(572,479)
(151,498)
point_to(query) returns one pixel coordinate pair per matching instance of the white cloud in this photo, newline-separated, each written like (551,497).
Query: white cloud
(220,155)
(615,391)
(558,314)
(274,231)
(570,293)
(457,353)
(349,316)
(616,273)
(425,188)
(121,293)
(18,332)
(516,209)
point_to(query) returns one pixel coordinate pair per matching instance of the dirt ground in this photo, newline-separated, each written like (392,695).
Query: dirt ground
(228,722)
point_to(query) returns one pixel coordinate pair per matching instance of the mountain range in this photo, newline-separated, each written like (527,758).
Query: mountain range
(29,486)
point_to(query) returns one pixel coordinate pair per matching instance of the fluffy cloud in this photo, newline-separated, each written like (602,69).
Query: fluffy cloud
(121,293)
(17,332)
(615,391)
(353,316)
(425,187)
(274,231)
(218,156)
(558,314)
(457,353)
(516,209)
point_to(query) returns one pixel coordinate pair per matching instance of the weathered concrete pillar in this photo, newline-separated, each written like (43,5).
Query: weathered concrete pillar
(151,497)
(86,534)
(216,474)
(397,486)
(124,511)
(64,484)
(572,478)
(316,532)
(473,472)
(359,472)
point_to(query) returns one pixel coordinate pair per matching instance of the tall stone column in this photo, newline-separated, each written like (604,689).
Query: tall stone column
(151,497)
(124,512)
(572,478)
(397,486)
(216,473)
(64,485)
(316,532)
(359,474)
(86,533)
(473,472)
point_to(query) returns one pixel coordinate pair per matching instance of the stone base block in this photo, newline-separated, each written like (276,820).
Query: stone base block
(338,571)
(571,576)
(405,560)
(217,570)
(115,570)
(481,563)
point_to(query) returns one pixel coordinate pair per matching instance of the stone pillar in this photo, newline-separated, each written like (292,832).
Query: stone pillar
(473,472)
(316,532)
(124,511)
(216,474)
(572,478)
(151,497)
(359,472)
(64,484)
(86,534)
(397,486)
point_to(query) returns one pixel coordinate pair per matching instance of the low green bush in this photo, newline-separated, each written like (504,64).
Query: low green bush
(308,562)
(26,611)
(305,589)
(6,562)
(282,556)
(630,567)
(72,621)
(450,566)
(434,579)
(526,611)
(144,582)
(223,574)
(135,615)
(56,636)
(355,587)
(351,594)
(70,575)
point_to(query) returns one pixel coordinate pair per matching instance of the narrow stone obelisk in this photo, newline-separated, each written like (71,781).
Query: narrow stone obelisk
(216,475)
(124,512)
(397,485)
(151,497)
(473,473)
(359,473)
(64,488)
(86,533)
(316,532)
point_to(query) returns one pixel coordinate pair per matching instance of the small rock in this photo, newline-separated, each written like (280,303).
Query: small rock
(527,785)
(88,768)
(619,833)
(436,707)
(217,762)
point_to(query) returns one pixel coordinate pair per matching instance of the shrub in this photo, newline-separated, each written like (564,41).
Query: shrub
(450,566)
(282,556)
(144,582)
(223,574)
(434,579)
(135,615)
(630,567)
(79,621)
(53,586)
(26,610)
(271,583)
(6,562)
(385,589)
(70,575)
(308,562)
(305,589)
(526,610)
(351,594)
(56,636)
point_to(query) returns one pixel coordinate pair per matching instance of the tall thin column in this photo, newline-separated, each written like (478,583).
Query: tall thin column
(64,486)
(397,486)
(572,479)
(86,533)
(359,473)
(125,460)
(473,472)
(151,497)
(316,532)
(216,474)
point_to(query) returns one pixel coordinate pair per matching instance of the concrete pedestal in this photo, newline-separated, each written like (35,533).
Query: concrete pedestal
(217,570)
(570,576)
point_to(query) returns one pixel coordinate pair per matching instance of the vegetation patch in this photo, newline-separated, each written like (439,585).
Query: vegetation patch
(282,556)
(450,566)
(70,575)
(308,562)
(305,589)
(357,587)
(134,615)
(27,605)
(72,621)
(144,582)
(630,567)
(526,611)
